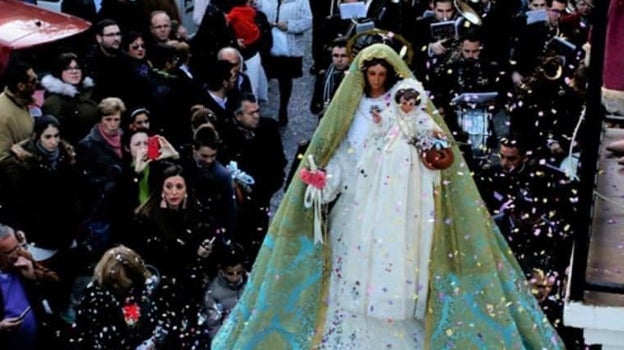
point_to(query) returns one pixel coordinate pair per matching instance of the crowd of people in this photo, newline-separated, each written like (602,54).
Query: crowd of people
(149,169)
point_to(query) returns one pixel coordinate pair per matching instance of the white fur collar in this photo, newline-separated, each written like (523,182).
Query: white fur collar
(57,86)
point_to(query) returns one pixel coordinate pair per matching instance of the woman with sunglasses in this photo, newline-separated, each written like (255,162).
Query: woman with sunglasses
(140,80)
(68,97)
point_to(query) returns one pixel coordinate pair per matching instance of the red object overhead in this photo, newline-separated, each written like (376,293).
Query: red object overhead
(23,25)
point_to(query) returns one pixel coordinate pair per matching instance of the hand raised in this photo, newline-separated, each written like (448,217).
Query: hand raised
(25,267)
(166,149)
(141,160)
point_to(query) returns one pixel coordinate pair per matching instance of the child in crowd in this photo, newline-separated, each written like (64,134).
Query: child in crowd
(242,19)
(227,287)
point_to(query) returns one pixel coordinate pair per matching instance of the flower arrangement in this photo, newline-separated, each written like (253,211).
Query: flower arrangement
(426,141)
(435,149)
(314,178)
(132,313)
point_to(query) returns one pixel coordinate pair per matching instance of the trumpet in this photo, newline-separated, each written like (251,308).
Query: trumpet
(552,68)
(467,12)
(546,75)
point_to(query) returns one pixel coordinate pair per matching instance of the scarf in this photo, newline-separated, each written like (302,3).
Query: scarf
(113,141)
(334,77)
(52,157)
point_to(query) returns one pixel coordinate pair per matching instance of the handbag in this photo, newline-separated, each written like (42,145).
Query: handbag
(280,42)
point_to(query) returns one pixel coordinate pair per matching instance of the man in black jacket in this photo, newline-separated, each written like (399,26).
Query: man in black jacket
(327,83)
(217,94)
(255,143)
(212,182)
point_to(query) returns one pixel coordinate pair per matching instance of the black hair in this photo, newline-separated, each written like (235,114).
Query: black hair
(129,38)
(443,1)
(247,97)
(160,54)
(408,94)
(99,27)
(217,73)
(244,97)
(339,41)
(139,110)
(42,123)
(159,172)
(206,136)
(515,140)
(391,78)
(63,61)
(230,254)
(170,170)
(17,72)
(472,35)
(127,136)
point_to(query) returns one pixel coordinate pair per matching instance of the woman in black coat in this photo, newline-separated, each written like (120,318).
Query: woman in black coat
(39,182)
(121,308)
(102,161)
(41,199)
(172,234)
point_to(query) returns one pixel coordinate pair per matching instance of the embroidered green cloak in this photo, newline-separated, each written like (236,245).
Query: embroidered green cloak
(478,295)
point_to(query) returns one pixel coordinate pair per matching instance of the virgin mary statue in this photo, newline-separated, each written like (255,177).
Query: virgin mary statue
(412,259)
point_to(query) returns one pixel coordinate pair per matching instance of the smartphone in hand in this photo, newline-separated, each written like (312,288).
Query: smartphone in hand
(153,147)
(23,314)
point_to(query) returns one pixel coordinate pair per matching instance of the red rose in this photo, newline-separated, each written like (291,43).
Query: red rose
(131,313)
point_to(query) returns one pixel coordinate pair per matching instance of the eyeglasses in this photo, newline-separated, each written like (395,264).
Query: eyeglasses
(137,46)
(110,35)
(72,68)
(556,11)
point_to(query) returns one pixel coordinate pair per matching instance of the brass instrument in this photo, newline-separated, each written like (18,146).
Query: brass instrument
(547,74)
(552,68)
(468,12)
(454,47)
(551,65)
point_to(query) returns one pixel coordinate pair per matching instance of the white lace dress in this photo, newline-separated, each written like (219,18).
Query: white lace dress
(380,230)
